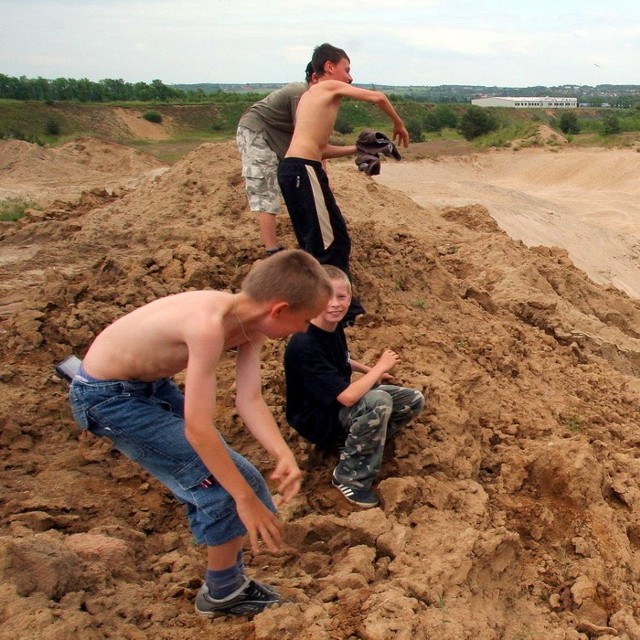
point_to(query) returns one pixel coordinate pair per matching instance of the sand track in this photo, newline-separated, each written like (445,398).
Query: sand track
(586,201)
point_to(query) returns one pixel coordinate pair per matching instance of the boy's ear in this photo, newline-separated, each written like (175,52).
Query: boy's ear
(278,308)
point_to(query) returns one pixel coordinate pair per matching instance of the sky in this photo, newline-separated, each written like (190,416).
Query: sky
(506,43)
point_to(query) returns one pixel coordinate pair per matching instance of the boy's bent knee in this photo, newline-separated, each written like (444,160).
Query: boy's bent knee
(377,397)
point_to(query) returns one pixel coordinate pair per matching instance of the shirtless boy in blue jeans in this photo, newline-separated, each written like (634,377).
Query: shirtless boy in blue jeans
(329,409)
(123,392)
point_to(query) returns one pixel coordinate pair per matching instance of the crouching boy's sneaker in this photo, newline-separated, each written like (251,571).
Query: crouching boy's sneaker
(251,598)
(365,498)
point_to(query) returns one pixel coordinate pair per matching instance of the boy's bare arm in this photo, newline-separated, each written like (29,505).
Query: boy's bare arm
(338,151)
(259,420)
(200,409)
(344,90)
(358,388)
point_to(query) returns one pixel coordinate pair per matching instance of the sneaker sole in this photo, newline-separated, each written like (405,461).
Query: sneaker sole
(222,613)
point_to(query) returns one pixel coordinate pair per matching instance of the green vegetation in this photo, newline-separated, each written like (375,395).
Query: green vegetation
(83,90)
(611,124)
(442,116)
(52,112)
(13,209)
(414,128)
(574,423)
(152,116)
(478,121)
(568,122)
(505,135)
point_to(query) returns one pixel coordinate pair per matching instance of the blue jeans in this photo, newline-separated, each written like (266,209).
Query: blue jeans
(368,424)
(145,422)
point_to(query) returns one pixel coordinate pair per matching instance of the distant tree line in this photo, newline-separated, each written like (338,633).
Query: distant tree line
(108,90)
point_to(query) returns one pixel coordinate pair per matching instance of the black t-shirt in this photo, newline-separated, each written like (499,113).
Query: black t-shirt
(317,371)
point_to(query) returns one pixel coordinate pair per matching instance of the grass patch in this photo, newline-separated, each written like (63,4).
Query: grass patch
(12,209)
(503,137)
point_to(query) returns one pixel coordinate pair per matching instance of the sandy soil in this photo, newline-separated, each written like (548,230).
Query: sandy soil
(511,508)
(586,201)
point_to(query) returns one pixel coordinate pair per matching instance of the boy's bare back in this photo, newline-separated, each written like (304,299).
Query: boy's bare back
(154,341)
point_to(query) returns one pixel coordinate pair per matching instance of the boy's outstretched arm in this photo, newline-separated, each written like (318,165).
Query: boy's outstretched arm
(200,404)
(400,133)
(259,420)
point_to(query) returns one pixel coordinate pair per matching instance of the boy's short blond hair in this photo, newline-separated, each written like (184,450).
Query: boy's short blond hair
(335,273)
(292,276)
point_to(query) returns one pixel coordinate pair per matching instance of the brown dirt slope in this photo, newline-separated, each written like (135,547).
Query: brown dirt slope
(511,509)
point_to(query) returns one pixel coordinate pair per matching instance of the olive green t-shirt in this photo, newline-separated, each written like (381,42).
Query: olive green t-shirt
(274,116)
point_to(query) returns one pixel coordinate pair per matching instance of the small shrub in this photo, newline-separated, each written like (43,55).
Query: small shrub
(568,122)
(610,124)
(447,116)
(414,128)
(17,134)
(13,209)
(343,125)
(477,121)
(52,127)
(152,116)
(432,122)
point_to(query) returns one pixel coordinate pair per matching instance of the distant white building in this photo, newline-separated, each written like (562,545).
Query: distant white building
(527,103)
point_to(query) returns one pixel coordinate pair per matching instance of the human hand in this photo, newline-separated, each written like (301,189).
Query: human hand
(388,360)
(261,524)
(288,476)
(401,135)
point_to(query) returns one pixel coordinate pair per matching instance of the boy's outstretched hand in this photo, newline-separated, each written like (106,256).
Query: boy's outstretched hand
(260,524)
(401,136)
(288,476)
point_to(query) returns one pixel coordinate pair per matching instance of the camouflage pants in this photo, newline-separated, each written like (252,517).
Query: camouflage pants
(369,424)
(260,171)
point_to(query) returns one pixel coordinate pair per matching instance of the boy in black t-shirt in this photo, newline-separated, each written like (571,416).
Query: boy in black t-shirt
(328,409)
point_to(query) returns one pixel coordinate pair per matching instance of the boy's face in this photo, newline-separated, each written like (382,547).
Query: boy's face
(339,71)
(338,304)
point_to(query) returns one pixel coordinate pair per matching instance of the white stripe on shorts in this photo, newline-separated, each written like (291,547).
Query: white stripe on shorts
(326,230)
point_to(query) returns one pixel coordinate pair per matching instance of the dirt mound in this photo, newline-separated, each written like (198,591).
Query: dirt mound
(510,509)
(42,174)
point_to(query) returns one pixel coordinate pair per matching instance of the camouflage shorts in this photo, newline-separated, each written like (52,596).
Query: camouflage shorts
(260,171)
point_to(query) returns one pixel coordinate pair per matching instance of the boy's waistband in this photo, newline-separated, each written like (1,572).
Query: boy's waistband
(296,160)
(83,376)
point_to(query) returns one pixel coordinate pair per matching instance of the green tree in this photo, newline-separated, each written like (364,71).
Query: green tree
(477,121)
(611,124)
(568,122)
(414,128)
(441,116)
(343,124)
(52,127)
(432,122)
(447,116)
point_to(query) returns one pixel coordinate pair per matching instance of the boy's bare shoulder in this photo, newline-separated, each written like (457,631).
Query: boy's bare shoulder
(189,307)
(325,86)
